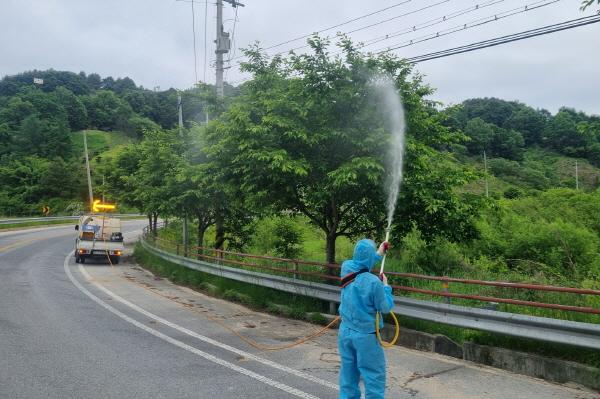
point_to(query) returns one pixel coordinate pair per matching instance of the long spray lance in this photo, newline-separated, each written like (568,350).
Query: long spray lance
(378,315)
(387,238)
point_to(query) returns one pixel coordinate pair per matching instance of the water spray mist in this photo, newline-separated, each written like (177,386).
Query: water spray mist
(394,111)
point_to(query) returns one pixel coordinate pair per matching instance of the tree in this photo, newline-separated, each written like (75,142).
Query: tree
(15,112)
(119,170)
(106,111)
(562,134)
(45,105)
(160,161)
(481,135)
(44,138)
(529,123)
(307,135)
(491,110)
(195,196)
(94,81)
(507,143)
(76,112)
(588,3)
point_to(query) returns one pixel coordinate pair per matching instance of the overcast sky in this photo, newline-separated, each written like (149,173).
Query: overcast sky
(151,41)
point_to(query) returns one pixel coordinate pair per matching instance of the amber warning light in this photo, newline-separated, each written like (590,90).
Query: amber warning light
(98,207)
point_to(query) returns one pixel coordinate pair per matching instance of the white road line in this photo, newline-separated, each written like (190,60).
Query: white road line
(182,345)
(208,340)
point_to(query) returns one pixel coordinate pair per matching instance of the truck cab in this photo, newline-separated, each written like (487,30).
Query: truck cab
(99,236)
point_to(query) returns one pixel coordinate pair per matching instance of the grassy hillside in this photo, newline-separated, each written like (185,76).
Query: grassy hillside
(539,170)
(99,141)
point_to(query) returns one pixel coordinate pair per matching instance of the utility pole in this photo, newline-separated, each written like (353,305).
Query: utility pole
(487,189)
(576,176)
(185,219)
(223,43)
(89,174)
(179,110)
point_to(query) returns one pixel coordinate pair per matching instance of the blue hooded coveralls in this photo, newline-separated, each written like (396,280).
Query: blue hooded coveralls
(360,352)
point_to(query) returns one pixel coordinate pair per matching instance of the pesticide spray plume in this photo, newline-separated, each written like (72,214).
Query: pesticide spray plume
(394,112)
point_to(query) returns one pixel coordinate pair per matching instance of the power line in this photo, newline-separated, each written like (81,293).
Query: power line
(571,24)
(575,23)
(338,25)
(205,48)
(431,22)
(357,29)
(194,33)
(376,24)
(232,55)
(471,24)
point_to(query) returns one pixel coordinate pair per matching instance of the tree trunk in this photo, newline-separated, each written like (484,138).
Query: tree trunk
(154,222)
(220,231)
(330,251)
(201,230)
(332,222)
(150,222)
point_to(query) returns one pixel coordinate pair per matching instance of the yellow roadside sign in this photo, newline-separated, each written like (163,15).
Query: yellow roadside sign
(97,206)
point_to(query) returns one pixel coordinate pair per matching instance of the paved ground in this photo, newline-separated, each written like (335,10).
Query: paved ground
(96,331)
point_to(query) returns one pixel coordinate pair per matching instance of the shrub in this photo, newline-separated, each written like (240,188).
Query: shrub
(439,256)
(288,239)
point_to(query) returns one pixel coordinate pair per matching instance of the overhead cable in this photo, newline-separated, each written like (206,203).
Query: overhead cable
(471,24)
(571,24)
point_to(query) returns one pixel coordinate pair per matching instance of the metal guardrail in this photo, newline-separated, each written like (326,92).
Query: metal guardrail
(539,328)
(50,218)
(309,270)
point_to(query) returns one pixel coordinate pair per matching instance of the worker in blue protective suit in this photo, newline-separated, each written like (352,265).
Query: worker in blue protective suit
(363,294)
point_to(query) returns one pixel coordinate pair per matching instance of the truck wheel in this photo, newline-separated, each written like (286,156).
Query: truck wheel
(76,258)
(82,260)
(114,260)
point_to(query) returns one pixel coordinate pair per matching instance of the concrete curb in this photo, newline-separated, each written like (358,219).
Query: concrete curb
(549,369)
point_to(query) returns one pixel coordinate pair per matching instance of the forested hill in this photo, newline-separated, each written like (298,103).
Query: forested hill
(39,164)
(528,149)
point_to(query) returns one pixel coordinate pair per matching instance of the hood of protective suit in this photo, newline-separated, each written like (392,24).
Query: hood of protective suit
(365,256)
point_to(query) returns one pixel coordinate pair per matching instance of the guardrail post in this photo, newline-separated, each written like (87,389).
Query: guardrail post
(445,285)
(333,307)
(295,269)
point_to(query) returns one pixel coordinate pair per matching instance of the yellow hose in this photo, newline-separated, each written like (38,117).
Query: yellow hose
(396,334)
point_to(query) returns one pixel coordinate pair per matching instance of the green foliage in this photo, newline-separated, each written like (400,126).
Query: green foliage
(287,239)
(76,111)
(306,136)
(37,120)
(438,256)
(503,128)
(43,138)
(540,237)
(106,111)
(30,182)
(515,173)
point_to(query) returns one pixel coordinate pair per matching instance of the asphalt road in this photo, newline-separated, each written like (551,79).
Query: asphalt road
(96,331)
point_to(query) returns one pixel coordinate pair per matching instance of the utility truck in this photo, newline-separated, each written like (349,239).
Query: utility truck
(99,236)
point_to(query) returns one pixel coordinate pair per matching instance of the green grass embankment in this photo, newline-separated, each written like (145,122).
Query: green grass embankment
(253,296)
